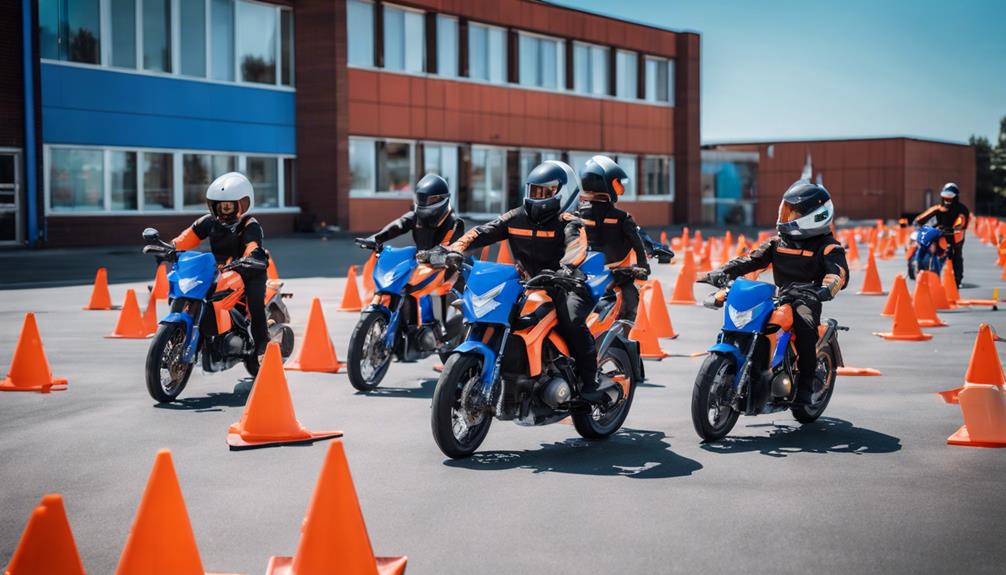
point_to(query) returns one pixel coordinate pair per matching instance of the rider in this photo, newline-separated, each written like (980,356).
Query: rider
(952,218)
(544,235)
(804,251)
(431,220)
(234,234)
(611,230)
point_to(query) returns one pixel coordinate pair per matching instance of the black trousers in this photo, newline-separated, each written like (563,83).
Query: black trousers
(630,300)
(806,318)
(255,300)
(956,256)
(571,309)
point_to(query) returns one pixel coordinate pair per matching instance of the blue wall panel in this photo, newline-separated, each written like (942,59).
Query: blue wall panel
(97,106)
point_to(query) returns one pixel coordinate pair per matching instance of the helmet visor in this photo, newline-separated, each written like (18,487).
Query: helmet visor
(788,212)
(542,191)
(429,200)
(948,194)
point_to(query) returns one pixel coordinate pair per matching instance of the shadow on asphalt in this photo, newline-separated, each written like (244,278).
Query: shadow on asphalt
(826,435)
(634,453)
(212,401)
(424,391)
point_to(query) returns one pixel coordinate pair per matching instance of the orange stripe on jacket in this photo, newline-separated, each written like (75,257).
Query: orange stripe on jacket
(576,250)
(252,246)
(187,240)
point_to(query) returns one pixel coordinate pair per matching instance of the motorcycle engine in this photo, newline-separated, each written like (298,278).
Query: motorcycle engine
(232,345)
(556,392)
(782,385)
(426,339)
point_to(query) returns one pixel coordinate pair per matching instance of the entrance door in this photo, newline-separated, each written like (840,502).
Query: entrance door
(10,188)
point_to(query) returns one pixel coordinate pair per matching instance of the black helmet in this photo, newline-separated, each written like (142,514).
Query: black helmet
(950,192)
(432,200)
(806,211)
(552,187)
(602,179)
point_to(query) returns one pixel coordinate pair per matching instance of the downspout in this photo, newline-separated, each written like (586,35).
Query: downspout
(31,172)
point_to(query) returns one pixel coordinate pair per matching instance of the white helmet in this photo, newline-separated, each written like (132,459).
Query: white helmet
(230,197)
(950,192)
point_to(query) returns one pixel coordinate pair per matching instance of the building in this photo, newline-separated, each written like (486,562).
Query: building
(125,109)
(868,177)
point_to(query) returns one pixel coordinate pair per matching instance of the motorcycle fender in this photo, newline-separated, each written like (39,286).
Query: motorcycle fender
(191,335)
(732,350)
(631,348)
(488,357)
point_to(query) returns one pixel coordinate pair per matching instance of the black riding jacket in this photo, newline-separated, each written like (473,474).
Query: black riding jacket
(614,233)
(449,229)
(819,260)
(549,245)
(227,244)
(956,215)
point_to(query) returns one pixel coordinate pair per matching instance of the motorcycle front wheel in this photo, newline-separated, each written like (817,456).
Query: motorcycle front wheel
(457,428)
(712,415)
(166,373)
(824,388)
(368,358)
(600,423)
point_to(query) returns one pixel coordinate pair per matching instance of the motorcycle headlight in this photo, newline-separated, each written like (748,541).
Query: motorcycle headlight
(188,284)
(486,302)
(741,318)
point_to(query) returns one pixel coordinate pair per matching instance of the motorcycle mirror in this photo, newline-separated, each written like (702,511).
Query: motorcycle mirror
(151,235)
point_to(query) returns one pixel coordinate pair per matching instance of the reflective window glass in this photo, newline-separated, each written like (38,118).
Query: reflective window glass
(158,181)
(76,180)
(122,178)
(83,29)
(394,167)
(447,46)
(361,165)
(486,53)
(360,26)
(286,47)
(222,39)
(542,62)
(198,171)
(124,33)
(157,35)
(626,79)
(404,40)
(192,14)
(256,47)
(264,176)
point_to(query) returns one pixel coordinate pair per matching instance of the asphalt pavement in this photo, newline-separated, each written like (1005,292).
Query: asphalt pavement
(871,487)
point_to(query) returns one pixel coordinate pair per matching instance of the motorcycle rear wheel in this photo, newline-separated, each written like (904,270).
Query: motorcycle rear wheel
(166,374)
(367,345)
(713,420)
(457,436)
(826,373)
(599,423)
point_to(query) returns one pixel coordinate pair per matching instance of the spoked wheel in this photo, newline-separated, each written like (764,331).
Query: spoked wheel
(601,421)
(166,373)
(368,358)
(824,387)
(712,414)
(459,426)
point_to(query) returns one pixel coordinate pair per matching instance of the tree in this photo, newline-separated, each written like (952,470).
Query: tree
(990,172)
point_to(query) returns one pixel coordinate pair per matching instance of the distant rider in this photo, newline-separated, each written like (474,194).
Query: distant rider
(804,251)
(431,219)
(952,218)
(234,234)
(610,230)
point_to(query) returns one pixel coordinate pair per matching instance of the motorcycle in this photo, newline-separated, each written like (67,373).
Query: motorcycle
(513,365)
(208,319)
(751,368)
(402,321)
(929,250)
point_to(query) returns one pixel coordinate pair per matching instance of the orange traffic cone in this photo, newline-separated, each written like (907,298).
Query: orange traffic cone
(663,238)
(271,272)
(47,546)
(161,538)
(351,295)
(684,293)
(742,246)
(937,293)
(368,275)
(29,370)
(160,289)
(484,254)
(504,257)
(333,535)
(852,252)
(657,317)
(983,368)
(100,298)
(871,280)
(317,352)
(725,247)
(905,327)
(131,324)
(900,287)
(706,259)
(984,411)
(950,285)
(150,314)
(269,418)
(925,311)
(649,346)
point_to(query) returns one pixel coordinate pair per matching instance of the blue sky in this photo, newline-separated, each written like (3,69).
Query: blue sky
(789,69)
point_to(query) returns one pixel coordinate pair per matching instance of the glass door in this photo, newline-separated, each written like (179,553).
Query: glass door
(10,180)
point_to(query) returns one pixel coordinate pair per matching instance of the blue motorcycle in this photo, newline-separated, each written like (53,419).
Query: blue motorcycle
(208,319)
(929,252)
(751,368)
(513,364)
(409,318)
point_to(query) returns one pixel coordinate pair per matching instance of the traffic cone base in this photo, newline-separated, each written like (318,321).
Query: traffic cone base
(859,371)
(351,295)
(131,324)
(385,565)
(29,370)
(269,417)
(951,395)
(316,352)
(984,411)
(47,546)
(903,337)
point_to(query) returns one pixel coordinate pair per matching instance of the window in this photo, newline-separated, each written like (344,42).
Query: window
(577,160)
(529,159)
(628,164)
(256,42)
(443,161)
(193,37)
(486,53)
(488,192)
(394,167)
(447,46)
(659,80)
(222,39)
(263,172)
(198,171)
(626,78)
(158,181)
(404,39)
(49,30)
(124,33)
(70,30)
(658,177)
(286,47)
(122,176)
(361,165)
(76,180)
(590,69)
(157,35)
(542,62)
(360,27)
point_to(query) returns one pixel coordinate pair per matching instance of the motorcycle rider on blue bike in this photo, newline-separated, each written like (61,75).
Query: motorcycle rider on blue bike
(431,219)
(545,235)
(952,218)
(804,252)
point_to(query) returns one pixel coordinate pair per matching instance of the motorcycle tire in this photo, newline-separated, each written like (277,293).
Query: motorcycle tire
(609,421)
(913,267)
(717,368)
(809,413)
(357,354)
(447,397)
(168,338)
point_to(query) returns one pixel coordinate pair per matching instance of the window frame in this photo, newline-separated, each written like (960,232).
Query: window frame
(560,63)
(590,48)
(505,56)
(405,39)
(669,196)
(632,56)
(670,63)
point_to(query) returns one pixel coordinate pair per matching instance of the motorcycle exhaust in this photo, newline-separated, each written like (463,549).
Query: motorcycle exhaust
(556,392)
